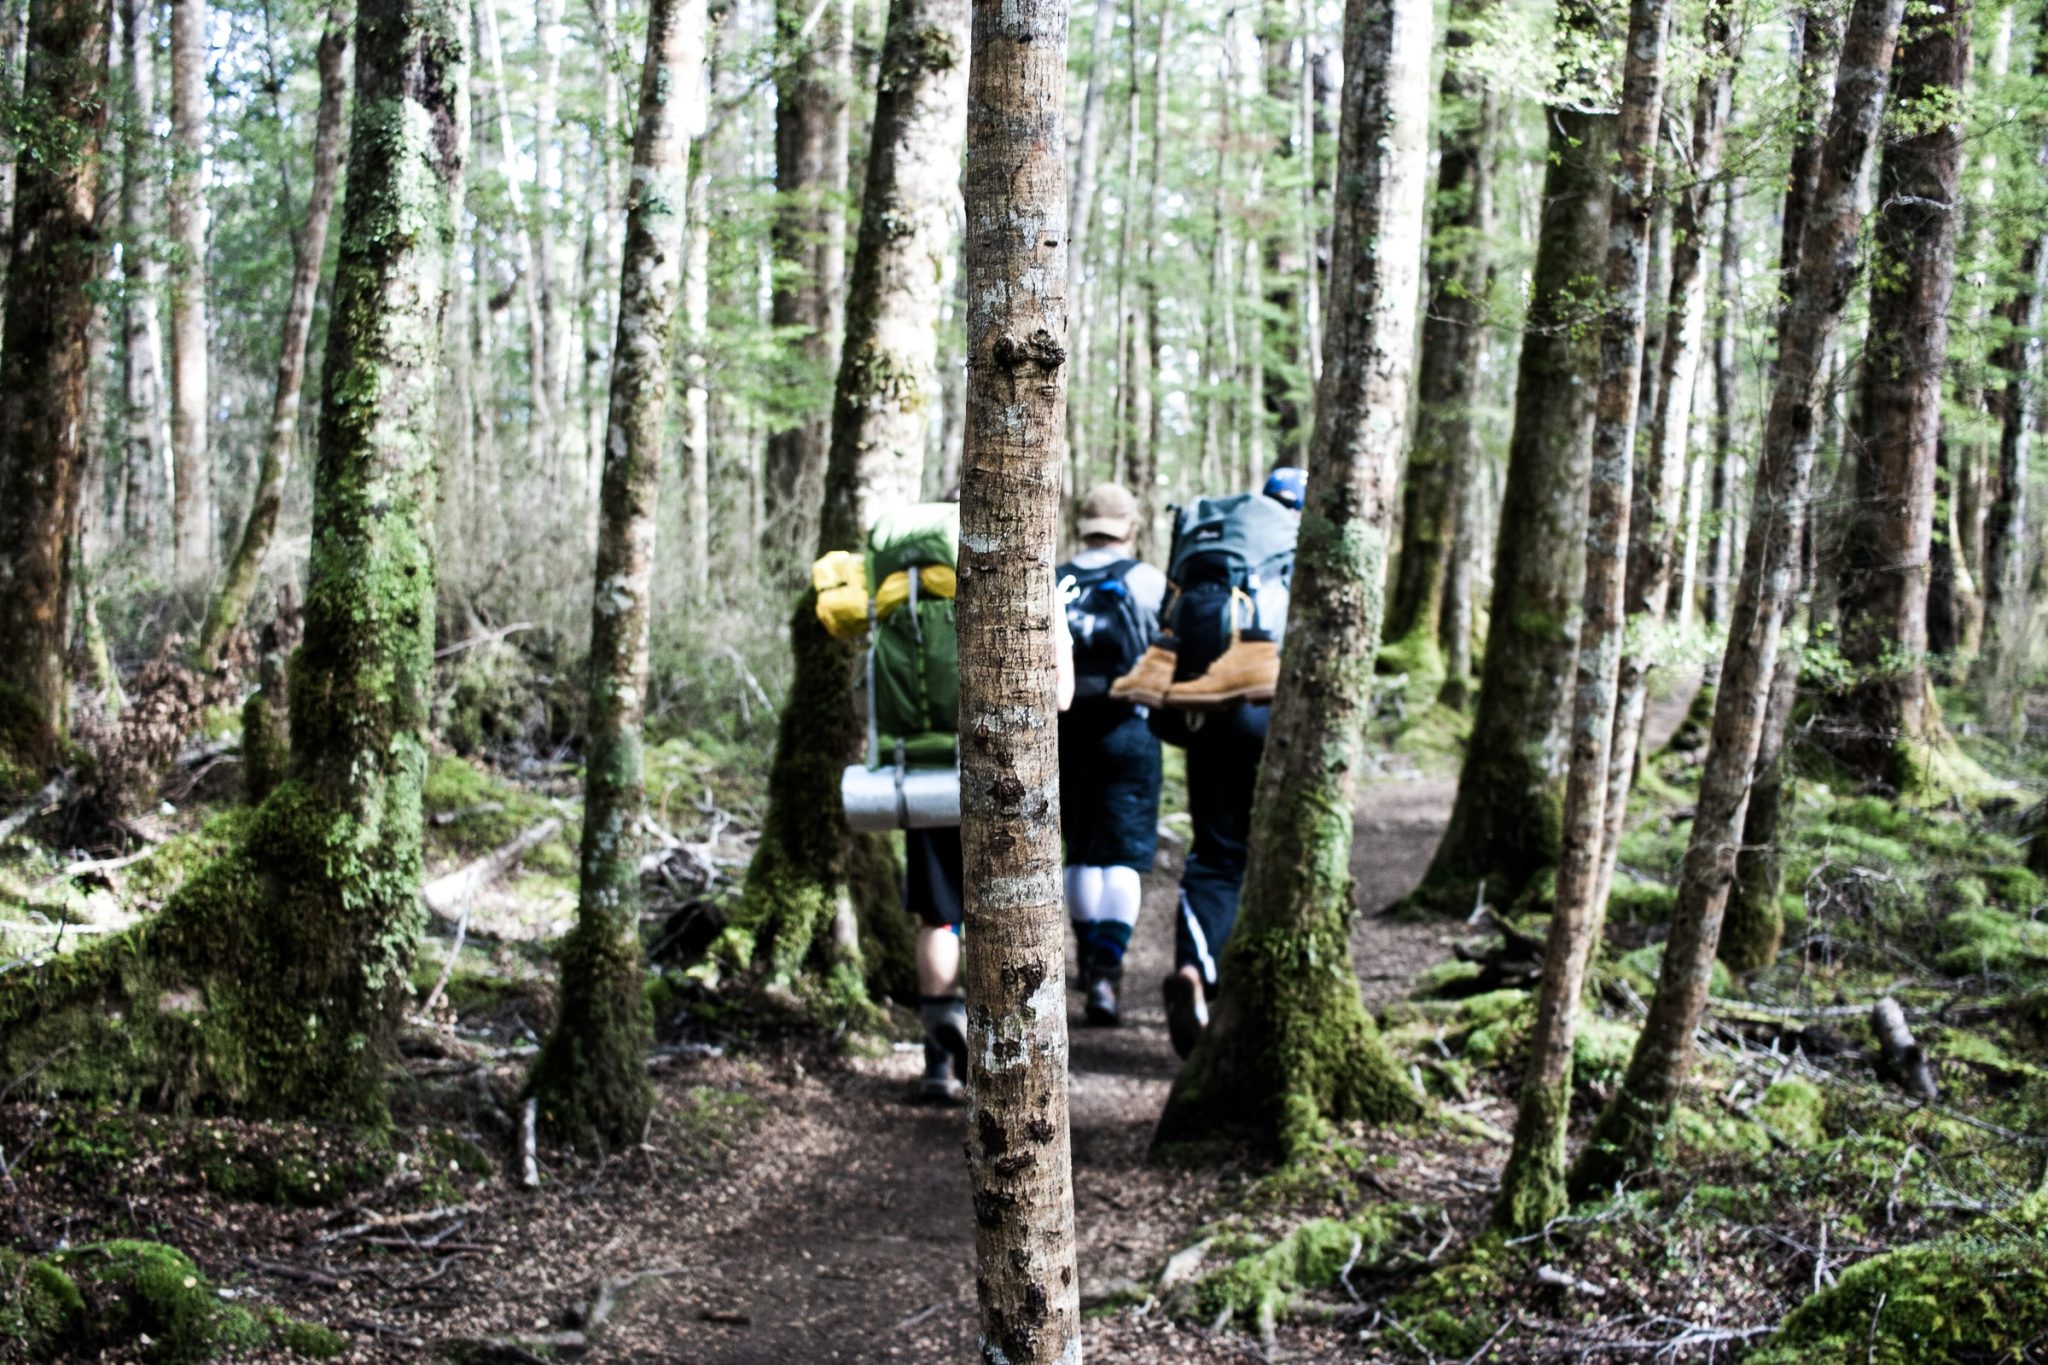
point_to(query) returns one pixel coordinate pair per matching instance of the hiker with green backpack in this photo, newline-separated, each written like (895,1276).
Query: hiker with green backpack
(1207,682)
(898,597)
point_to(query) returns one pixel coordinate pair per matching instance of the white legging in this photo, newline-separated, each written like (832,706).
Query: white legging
(1098,894)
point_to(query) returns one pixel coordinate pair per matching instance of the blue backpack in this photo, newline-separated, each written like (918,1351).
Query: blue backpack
(1110,628)
(1231,569)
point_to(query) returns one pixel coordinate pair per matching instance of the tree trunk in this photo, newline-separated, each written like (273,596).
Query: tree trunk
(309,251)
(1280,344)
(1080,218)
(1755,922)
(1656,500)
(273,978)
(553,291)
(13,61)
(591,1077)
(1453,338)
(1532,1185)
(2007,529)
(143,432)
(1726,455)
(810,102)
(879,419)
(1631,1130)
(1018,1155)
(44,356)
(1884,727)
(1291,1048)
(696,390)
(1504,824)
(1152,435)
(540,421)
(192,503)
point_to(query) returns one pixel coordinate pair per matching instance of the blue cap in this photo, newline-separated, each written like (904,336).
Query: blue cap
(1286,485)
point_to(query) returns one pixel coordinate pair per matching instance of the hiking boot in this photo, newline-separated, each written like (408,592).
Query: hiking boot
(1146,684)
(945,1051)
(1101,1009)
(1187,1013)
(1247,671)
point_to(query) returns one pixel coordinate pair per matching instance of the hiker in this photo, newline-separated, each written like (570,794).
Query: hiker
(1207,682)
(911,779)
(1109,757)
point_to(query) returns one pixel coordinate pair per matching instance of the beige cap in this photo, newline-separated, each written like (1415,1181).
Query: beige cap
(1109,510)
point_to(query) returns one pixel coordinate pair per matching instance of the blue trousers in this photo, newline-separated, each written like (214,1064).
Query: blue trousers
(1223,771)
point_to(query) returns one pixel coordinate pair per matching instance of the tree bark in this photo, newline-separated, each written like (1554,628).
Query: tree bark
(1630,1132)
(1146,481)
(696,389)
(809,245)
(2007,528)
(591,1077)
(1016,252)
(1080,219)
(1504,824)
(192,502)
(1656,500)
(541,416)
(143,433)
(1884,727)
(1281,264)
(1446,440)
(1532,1185)
(1291,1048)
(44,356)
(879,420)
(1755,922)
(309,252)
(1726,455)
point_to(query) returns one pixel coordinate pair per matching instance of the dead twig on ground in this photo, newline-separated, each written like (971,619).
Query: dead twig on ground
(445,895)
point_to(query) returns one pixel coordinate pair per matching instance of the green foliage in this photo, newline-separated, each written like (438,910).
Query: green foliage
(1257,1286)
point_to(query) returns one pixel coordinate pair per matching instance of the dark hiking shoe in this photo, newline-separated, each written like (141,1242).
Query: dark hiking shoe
(1101,1008)
(945,1050)
(1187,1013)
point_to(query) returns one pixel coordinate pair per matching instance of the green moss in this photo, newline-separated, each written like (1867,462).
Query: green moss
(1989,940)
(290,1165)
(1795,1109)
(1452,1310)
(137,1300)
(1416,655)
(1435,736)
(180,857)
(1978,1294)
(1444,978)
(1641,967)
(1532,1190)
(26,745)
(1637,901)
(1259,1285)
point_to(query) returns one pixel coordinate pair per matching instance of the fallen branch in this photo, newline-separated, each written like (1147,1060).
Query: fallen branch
(529,1159)
(609,1293)
(1902,1053)
(448,967)
(55,793)
(447,895)
(488,637)
(1572,1284)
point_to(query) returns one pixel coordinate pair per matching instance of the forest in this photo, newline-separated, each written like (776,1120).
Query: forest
(1156,681)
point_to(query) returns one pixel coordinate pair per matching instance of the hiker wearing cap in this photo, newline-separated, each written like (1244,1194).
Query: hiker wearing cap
(1207,682)
(1109,757)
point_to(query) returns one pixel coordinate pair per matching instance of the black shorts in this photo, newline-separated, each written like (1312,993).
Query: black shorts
(1109,786)
(933,882)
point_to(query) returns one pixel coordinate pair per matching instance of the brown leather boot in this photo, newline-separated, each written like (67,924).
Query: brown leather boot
(1246,671)
(1146,683)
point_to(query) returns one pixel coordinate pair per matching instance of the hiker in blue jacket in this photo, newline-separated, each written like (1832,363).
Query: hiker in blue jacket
(1209,679)
(1109,757)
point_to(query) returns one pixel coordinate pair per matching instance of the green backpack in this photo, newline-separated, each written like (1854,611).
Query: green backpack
(914,652)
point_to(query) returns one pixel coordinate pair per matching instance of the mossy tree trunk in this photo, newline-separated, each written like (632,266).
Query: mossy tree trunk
(591,1076)
(1755,923)
(1018,1155)
(272,980)
(1660,477)
(309,253)
(44,357)
(879,418)
(1446,445)
(1883,727)
(1504,825)
(1630,1132)
(1291,1047)
(1532,1186)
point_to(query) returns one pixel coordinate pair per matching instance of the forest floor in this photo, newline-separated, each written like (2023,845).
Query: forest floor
(788,1203)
